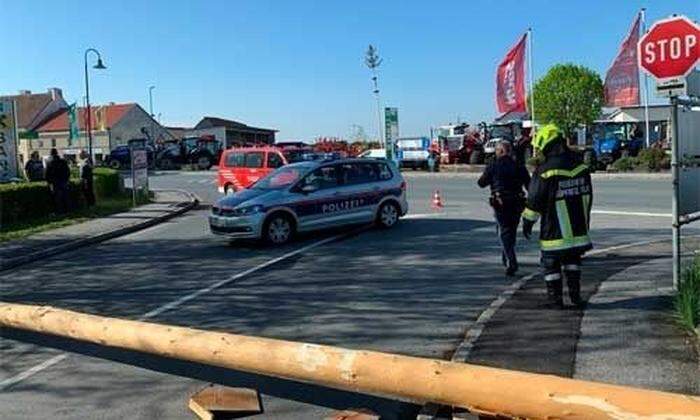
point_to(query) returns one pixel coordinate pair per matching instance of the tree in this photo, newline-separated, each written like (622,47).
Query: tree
(569,96)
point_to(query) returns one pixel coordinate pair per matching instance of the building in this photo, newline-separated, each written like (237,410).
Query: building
(32,110)
(232,133)
(112,125)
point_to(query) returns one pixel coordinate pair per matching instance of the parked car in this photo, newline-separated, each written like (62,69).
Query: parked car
(241,167)
(311,195)
(120,157)
(373,154)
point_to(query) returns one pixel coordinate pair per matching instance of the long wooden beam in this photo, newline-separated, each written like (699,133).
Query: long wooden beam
(480,389)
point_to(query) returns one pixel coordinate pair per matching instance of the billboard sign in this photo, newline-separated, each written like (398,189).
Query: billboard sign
(8,142)
(391,130)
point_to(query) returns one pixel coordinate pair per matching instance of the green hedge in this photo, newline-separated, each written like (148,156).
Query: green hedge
(648,160)
(31,200)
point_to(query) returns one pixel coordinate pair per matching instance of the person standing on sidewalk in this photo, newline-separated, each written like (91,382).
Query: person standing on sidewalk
(86,178)
(57,176)
(561,195)
(507,180)
(34,168)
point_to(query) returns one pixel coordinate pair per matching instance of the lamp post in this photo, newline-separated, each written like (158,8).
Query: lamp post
(88,124)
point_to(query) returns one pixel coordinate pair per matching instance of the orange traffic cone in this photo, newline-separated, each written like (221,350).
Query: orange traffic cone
(437,201)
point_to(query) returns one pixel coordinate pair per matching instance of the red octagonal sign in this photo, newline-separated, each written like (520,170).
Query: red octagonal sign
(671,48)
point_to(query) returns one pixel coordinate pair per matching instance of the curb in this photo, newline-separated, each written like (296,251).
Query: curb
(79,243)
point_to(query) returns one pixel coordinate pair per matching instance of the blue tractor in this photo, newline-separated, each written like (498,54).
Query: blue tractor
(612,141)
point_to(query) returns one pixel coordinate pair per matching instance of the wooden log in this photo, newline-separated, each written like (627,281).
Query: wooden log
(480,389)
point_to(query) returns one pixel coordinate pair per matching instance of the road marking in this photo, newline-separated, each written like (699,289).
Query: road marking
(6,383)
(630,213)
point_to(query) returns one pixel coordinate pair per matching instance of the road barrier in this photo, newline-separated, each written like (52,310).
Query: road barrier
(483,390)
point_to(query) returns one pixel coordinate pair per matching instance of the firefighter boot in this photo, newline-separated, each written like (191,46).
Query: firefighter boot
(573,282)
(555,294)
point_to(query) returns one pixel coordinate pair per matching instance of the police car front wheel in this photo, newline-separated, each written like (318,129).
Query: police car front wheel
(278,229)
(388,215)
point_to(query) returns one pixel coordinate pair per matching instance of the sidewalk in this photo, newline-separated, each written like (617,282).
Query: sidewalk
(628,335)
(167,204)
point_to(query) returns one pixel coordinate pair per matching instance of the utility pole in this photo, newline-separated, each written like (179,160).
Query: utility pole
(150,110)
(372,60)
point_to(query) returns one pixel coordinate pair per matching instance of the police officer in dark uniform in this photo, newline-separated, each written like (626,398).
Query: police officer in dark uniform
(507,180)
(561,195)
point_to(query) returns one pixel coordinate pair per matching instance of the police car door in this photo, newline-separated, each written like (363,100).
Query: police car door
(358,187)
(314,210)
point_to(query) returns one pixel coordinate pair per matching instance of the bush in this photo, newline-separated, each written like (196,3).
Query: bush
(625,164)
(652,160)
(687,300)
(30,200)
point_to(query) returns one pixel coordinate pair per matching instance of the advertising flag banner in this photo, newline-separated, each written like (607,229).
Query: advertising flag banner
(510,80)
(622,79)
(73,133)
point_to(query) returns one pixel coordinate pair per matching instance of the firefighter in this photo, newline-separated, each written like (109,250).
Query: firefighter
(561,195)
(507,180)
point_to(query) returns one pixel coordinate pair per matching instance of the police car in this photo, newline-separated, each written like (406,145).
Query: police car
(313,195)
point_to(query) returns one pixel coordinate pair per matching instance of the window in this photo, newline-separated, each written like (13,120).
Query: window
(254,160)
(384,171)
(235,160)
(274,160)
(53,142)
(359,173)
(322,178)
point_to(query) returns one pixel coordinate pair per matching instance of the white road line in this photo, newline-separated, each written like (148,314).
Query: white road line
(6,383)
(630,213)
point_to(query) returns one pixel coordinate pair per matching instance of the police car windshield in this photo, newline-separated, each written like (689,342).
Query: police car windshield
(282,177)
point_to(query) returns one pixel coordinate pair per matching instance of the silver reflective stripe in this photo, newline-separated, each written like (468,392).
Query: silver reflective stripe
(552,277)
(572,267)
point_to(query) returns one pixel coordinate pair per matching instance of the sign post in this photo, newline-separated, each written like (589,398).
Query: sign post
(391,131)
(9,167)
(139,170)
(669,51)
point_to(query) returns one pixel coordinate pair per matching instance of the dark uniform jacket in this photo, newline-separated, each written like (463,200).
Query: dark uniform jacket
(561,194)
(505,177)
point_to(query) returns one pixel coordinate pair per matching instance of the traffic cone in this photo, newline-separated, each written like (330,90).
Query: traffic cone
(437,201)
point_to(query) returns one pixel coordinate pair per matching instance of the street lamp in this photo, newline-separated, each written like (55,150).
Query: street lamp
(88,125)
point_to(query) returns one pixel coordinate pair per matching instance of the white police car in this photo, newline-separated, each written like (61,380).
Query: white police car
(314,195)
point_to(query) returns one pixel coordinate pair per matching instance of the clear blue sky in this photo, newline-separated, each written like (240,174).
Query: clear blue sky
(298,65)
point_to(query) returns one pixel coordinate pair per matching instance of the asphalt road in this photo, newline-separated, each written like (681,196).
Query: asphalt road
(413,290)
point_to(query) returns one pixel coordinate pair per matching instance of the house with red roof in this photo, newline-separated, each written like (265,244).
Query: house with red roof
(112,125)
(32,110)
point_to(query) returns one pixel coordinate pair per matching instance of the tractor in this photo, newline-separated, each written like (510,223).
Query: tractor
(202,152)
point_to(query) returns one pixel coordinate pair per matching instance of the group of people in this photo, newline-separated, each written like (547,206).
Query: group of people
(56,173)
(559,194)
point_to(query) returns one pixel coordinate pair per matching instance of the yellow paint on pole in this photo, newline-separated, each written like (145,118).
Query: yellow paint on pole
(480,389)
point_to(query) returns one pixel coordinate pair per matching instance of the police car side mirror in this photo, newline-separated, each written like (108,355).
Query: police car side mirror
(309,188)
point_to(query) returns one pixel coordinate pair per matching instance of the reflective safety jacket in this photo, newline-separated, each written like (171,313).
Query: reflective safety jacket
(561,194)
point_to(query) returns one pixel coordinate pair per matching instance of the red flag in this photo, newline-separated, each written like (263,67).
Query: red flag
(622,79)
(510,80)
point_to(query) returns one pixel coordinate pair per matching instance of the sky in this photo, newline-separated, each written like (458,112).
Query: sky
(298,66)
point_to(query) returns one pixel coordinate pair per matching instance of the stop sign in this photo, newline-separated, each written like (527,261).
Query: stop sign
(671,48)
